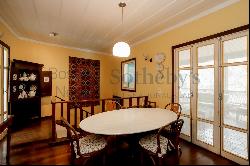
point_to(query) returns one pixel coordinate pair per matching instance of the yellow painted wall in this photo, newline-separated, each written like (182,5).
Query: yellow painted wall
(228,18)
(56,59)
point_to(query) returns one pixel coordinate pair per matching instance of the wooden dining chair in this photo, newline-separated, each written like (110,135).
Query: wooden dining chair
(160,147)
(84,147)
(111,105)
(150,104)
(175,107)
(136,106)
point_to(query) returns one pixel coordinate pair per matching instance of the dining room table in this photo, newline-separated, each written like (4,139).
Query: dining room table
(124,127)
(127,121)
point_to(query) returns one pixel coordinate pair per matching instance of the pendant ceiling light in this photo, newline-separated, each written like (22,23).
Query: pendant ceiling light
(121,49)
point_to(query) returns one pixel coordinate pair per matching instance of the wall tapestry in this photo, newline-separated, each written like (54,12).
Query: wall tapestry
(84,79)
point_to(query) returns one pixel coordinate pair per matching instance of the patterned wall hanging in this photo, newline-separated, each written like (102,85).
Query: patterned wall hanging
(84,79)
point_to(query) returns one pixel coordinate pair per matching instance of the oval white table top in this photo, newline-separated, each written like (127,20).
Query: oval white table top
(127,121)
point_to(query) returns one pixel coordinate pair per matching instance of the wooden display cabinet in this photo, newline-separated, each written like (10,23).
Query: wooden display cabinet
(25,91)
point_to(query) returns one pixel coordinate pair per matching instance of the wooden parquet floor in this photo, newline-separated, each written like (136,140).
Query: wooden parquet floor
(29,146)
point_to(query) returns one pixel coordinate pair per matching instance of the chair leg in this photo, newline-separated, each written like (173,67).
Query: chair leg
(104,159)
(142,158)
(72,161)
(160,161)
(155,162)
(179,149)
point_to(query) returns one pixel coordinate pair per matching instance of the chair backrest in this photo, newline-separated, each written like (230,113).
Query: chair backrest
(72,136)
(136,106)
(111,105)
(173,133)
(151,104)
(175,107)
(173,127)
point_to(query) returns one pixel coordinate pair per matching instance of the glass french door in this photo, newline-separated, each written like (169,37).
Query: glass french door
(234,73)
(4,75)
(184,89)
(205,119)
(198,93)
(212,88)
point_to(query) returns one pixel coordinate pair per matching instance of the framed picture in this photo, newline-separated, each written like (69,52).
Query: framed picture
(46,83)
(128,75)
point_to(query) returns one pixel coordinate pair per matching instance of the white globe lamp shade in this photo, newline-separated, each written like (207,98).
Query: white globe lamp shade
(121,49)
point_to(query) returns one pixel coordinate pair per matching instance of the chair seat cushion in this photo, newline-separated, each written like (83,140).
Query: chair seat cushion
(149,143)
(90,143)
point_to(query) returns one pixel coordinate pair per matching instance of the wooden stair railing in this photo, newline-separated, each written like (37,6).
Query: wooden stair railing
(78,107)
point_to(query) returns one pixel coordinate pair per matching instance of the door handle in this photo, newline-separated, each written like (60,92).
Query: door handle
(220,96)
(191,94)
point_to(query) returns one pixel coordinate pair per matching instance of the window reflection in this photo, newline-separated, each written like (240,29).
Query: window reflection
(128,75)
(235,96)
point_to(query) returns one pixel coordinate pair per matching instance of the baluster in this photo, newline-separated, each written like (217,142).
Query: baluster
(122,102)
(138,102)
(103,105)
(146,101)
(53,122)
(92,109)
(81,114)
(68,113)
(61,109)
(130,101)
(75,117)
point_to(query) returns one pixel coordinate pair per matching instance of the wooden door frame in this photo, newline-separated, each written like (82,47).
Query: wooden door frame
(231,31)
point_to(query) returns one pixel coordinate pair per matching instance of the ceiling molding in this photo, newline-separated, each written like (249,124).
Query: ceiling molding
(153,14)
(142,21)
(63,46)
(50,44)
(145,37)
(8,27)
(205,13)
(169,18)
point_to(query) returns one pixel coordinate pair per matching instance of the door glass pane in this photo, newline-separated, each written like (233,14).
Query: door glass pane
(235,50)
(184,58)
(186,126)
(235,96)
(206,55)
(205,104)
(205,132)
(5,82)
(5,100)
(184,91)
(6,57)
(235,142)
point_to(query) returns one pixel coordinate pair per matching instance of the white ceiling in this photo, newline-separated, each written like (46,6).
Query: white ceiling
(95,25)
